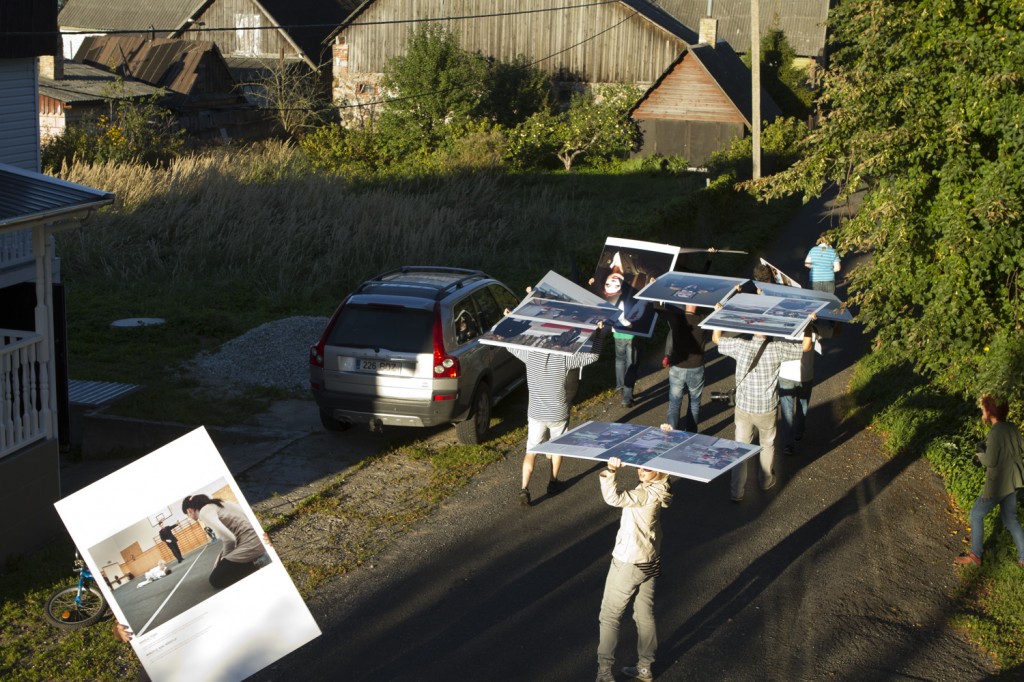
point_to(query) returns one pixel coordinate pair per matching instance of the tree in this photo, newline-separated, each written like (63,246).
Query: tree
(435,89)
(591,127)
(924,106)
(293,95)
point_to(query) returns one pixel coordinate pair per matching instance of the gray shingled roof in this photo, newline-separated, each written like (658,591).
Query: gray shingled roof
(128,15)
(803,21)
(26,196)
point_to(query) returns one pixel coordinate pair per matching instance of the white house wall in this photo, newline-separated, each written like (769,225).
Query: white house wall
(19,117)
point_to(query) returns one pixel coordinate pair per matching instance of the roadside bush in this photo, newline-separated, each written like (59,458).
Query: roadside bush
(336,149)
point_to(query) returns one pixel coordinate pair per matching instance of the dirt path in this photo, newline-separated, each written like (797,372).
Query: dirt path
(842,571)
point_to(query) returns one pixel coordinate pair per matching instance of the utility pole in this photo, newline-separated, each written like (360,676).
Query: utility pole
(755,84)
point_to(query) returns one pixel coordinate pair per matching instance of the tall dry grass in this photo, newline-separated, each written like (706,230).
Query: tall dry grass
(261,219)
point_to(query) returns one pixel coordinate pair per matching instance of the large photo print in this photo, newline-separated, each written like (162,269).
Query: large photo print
(625,267)
(184,564)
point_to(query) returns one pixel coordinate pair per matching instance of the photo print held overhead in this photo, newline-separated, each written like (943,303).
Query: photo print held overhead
(767,315)
(625,267)
(694,456)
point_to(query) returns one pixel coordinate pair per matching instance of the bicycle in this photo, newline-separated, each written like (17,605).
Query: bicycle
(76,607)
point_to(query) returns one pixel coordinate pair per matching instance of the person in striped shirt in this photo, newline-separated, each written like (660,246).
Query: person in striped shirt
(548,413)
(824,263)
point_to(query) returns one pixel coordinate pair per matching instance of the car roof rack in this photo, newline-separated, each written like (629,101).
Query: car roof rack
(443,290)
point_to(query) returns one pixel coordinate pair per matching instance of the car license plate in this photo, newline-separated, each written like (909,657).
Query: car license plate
(379,366)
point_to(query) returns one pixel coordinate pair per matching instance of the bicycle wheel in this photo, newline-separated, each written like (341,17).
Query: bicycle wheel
(63,612)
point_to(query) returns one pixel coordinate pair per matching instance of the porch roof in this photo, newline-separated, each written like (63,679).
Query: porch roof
(28,198)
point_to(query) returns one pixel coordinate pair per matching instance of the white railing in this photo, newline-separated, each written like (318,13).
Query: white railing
(15,248)
(25,415)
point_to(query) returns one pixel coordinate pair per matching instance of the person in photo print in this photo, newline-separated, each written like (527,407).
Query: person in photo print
(242,545)
(167,535)
(635,567)
(619,291)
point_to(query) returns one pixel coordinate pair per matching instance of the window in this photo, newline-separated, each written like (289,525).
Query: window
(467,327)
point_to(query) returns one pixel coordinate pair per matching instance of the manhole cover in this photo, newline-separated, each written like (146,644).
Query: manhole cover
(138,322)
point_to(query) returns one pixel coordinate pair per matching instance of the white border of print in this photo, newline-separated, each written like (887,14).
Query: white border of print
(834,310)
(229,636)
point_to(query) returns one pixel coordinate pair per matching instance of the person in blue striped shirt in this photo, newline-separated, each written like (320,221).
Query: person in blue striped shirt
(824,263)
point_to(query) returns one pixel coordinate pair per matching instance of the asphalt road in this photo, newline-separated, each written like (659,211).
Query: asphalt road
(842,571)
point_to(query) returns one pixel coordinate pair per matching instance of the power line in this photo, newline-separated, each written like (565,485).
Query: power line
(287,27)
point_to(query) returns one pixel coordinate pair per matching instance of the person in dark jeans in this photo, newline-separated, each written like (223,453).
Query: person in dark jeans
(684,360)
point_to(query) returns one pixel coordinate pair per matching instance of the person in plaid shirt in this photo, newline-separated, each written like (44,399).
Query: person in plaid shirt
(757,398)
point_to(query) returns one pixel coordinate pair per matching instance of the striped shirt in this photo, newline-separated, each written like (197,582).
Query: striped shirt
(821,260)
(545,377)
(757,392)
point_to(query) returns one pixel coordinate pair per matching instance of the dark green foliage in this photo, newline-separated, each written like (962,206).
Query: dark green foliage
(516,90)
(134,130)
(786,83)
(924,107)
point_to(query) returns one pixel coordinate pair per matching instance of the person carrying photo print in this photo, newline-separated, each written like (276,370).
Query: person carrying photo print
(824,263)
(618,291)
(635,567)
(684,360)
(242,545)
(547,414)
(1001,454)
(757,401)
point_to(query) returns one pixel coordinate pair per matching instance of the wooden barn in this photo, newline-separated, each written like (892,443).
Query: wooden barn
(700,105)
(251,34)
(631,41)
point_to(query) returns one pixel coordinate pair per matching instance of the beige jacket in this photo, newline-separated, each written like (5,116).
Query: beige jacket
(639,537)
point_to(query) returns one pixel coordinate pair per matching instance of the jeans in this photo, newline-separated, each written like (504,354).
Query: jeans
(794,397)
(624,582)
(685,380)
(747,423)
(828,285)
(1007,511)
(627,365)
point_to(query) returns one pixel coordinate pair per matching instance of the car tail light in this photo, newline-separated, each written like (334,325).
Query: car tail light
(445,366)
(316,351)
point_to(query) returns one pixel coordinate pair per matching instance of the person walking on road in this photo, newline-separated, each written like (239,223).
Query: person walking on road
(1001,455)
(547,414)
(684,360)
(167,535)
(757,400)
(635,567)
(824,263)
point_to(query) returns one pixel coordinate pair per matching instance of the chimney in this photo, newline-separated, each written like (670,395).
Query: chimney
(708,31)
(52,67)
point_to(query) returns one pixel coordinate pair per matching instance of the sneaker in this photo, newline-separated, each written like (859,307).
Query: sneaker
(736,499)
(555,486)
(524,497)
(769,484)
(969,558)
(788,450)
(638,673)
(605,675)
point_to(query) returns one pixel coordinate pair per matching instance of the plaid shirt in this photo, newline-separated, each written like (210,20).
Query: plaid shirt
(756,393)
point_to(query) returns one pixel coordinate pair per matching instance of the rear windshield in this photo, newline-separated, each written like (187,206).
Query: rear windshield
(403,330)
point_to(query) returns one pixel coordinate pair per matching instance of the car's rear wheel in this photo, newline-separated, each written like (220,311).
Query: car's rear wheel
(474,430)
(332,424)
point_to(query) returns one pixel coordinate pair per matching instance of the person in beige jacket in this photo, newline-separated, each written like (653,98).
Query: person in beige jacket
(634,569)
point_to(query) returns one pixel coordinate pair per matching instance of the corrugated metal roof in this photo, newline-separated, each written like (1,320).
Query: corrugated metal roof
(662,18)
(127,15)
(84,83)
(310,21)
(26,196)
(803,21)
(95,393)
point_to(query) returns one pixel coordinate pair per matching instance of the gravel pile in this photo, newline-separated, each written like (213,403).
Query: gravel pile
(275,354)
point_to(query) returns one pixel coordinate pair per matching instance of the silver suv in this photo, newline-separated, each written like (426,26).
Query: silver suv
(402,350)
